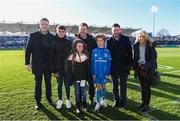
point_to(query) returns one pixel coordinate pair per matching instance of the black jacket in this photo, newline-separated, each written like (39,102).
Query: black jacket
(150,57)
(76,71)
(39,48)
(121,54)
(59,51)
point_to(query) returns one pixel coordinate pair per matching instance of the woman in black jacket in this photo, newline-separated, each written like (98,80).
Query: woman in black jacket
(144,64)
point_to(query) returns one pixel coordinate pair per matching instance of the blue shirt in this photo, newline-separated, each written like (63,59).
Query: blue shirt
(100,62)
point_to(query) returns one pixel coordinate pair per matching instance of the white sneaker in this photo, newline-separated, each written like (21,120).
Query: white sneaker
(68,104)
(77,111)
(59,104)
(97,106)
(103,103)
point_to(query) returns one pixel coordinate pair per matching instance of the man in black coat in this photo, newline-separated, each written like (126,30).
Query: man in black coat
(91,44)
(37,60)
(121,54)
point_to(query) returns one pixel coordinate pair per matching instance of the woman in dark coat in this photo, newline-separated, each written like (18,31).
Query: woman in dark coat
(144,64)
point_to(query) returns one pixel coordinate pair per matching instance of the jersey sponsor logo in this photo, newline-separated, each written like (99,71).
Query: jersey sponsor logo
(101,61)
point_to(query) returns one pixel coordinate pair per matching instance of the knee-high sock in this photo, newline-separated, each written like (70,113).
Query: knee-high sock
(103,93)
(97,95)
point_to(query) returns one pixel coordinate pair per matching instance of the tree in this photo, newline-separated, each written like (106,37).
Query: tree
(162,33)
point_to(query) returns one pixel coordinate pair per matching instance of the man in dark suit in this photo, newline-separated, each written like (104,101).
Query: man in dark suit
(37,60)
(91,44)
(121,54)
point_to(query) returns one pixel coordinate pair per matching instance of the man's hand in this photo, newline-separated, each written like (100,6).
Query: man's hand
(94,77)
(29,67)
(55,75)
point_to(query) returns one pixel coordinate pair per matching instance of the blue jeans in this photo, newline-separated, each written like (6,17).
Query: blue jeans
(80,92)
(60,79)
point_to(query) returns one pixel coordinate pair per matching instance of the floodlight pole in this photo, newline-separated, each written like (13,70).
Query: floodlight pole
(154,10)
(153,23)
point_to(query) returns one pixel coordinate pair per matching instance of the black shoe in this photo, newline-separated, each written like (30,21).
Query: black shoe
(92,103)
(116,104)
(84,106)
(52,103)
(145,109)
(123,106)
(140,106)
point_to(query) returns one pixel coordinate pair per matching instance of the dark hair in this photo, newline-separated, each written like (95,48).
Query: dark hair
(84,24)
(74,50)
(116,25)
(101,35)
(44,19)
(61,27)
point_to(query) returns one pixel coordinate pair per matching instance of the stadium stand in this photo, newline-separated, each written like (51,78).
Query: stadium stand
(10,39)
(15,35)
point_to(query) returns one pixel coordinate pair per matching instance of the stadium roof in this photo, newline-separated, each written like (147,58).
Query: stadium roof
(28,28)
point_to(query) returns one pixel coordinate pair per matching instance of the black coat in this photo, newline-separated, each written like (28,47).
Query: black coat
(150,58)
(39,48)
(59,51)
(76,71)
(121,54)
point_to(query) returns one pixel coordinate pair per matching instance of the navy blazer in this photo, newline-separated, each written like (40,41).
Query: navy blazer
(121,54)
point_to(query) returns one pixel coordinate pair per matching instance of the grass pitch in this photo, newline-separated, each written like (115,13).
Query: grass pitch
(17,93)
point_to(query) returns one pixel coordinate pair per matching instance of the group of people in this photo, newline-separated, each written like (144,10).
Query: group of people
(92,60)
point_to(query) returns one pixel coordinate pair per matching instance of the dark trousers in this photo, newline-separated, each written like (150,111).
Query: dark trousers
(145,90)
(123,88)
(91,89)
(60,79)
(38,86)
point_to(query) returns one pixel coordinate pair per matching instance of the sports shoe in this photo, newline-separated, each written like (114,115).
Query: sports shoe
(37,105)
(78,111)
(103,103)
(92,103)
(68,104)
(97,106)
(59,104)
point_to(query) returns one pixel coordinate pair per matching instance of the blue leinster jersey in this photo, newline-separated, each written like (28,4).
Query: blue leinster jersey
(100,62)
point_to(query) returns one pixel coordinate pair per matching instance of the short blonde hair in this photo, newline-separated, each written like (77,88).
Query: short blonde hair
(147,38)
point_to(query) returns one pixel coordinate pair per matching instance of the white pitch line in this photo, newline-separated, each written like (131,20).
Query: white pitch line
(147,115)
(172,102)
(171,72)
(16,92)
(165,67)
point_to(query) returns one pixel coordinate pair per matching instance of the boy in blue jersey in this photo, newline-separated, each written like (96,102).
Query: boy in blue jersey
(100,64)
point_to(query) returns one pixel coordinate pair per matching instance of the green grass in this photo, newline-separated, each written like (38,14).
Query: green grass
(17,93)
